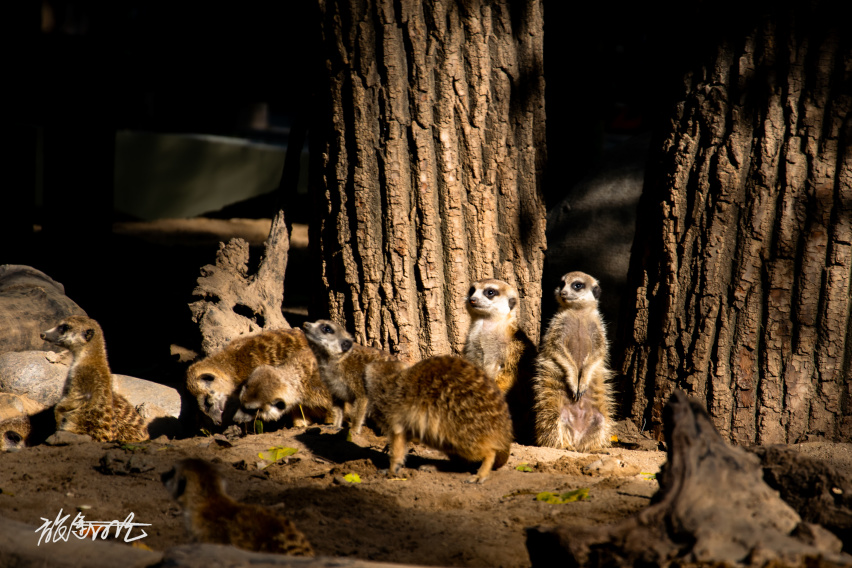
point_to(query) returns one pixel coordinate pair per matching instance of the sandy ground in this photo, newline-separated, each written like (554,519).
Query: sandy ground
(430,517)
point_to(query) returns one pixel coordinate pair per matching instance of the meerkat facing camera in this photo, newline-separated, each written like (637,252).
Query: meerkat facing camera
(342,363)
(446,403)
(573,402)
(270,393)
(88,404)
(216,379)
(212,516)
(500,348)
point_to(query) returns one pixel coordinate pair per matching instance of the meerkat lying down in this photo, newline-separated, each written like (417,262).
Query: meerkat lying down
(212,516)
(271,393)
(215,381)
(446,403)
(88,404)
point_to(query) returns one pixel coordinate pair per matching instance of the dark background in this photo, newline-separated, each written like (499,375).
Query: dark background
(80,71)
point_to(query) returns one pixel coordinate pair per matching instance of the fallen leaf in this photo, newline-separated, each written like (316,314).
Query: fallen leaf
(277,453)
(352,478)
(524,467)
(258,426)
(567,497)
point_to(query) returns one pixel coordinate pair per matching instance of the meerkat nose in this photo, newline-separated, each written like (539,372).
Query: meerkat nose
(472,301)
(42,336)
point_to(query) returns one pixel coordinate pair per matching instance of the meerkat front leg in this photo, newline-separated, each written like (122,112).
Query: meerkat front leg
(397,443)
(571,376)
(587,375)
(484,469)
(359,414)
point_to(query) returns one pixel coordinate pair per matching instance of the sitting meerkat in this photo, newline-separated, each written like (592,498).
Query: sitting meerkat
(341,366)
(212,516)
(215,380)
(446,403)
(500,348)
(88,404)
(573,402)
(270,393)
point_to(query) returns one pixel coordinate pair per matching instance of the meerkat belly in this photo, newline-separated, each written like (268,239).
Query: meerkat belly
(578,341)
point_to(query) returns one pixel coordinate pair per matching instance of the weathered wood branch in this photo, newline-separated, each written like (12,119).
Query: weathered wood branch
(233,302)
(713,507)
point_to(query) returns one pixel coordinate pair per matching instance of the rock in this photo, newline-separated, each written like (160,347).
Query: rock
(32,374)
(35,302)
(608,465)
(63,438)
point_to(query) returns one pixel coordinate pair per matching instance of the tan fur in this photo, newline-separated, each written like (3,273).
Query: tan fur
(341,365)
(497,345)
(573,402)
(88,404)
(446,403)
(215,380)
(273,392)
(212,516)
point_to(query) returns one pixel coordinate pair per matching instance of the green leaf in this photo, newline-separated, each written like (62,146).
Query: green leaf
(277,453)
(568,497)
(352,478)
(258,426)
(648,475)
(524,467)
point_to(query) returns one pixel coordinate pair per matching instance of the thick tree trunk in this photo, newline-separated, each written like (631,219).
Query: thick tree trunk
(430,150)
(743,257)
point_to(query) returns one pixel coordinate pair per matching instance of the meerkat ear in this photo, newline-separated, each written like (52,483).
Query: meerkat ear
(345,345)
(596,292)
(512,303)
(90,333)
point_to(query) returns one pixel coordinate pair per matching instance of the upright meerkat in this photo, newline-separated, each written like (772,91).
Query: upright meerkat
(88,404)
(497,345)
(215,380)
(342,363)
(212,516)
(444,402)
(270,393)
(573,402)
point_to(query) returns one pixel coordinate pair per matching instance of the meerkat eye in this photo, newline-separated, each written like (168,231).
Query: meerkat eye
(491,292)
(207,378)
(327,329)
(578,286)
(62,328)
(280,405)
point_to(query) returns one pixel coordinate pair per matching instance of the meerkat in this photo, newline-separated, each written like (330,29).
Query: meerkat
(573,402)
(341,366)
(214,517)
(500,348)
(445,402)
(270,393)
(215,380)
(88,404)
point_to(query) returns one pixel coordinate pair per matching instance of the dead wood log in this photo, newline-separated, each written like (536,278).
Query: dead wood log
(712,508)
(235,303)
(818,491)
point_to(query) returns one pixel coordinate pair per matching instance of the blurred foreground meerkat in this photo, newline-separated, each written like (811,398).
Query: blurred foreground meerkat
(573,402)
(212,516)
(446,403)
(270,393)
(342,363)
(215,380)
(500,348)
(88,404)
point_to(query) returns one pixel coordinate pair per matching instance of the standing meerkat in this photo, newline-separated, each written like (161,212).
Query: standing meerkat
(444,402)
(573,402)
(500,348)
(215,380)
(88,404)
(342,363)
(270,393)
(212,516)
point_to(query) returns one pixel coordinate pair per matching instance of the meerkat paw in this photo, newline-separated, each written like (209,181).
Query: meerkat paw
(476,478)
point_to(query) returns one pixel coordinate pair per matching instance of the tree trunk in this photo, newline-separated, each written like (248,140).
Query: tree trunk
(743,256)
(429,151)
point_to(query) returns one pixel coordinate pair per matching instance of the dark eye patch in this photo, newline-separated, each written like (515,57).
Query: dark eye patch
(471,291)
(280,405)
(62,328)
(207,378)
(327,329)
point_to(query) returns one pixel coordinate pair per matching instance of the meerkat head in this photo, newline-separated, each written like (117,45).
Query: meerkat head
(211,386)
(492,299)
(328,339)
(577,290)
(269,393)
(73,333)
(192,478)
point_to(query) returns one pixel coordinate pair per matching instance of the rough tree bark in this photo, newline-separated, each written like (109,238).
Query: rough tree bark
(743,257)
(430,149)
